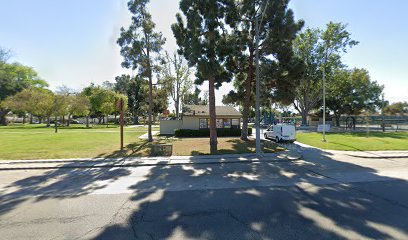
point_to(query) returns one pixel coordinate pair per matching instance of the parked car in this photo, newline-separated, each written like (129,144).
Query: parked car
(52,122)
(281,132)
(73,121)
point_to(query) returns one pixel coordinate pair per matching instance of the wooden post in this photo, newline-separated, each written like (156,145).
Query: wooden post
(121,123)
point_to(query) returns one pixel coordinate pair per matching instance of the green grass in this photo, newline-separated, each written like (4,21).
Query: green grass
(38,142)
(357,141)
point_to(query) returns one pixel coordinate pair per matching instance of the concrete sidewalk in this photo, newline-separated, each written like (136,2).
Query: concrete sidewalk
(144,161)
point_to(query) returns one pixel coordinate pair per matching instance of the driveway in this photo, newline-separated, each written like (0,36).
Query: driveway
(325,195)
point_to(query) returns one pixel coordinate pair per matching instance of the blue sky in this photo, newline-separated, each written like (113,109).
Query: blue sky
(73,42)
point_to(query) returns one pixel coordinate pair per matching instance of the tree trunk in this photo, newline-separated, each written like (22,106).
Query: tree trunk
(150,137)
(337,117)
(213,117)
(55,124)
(177,105)
(3,113)
(87,121)
(247,99)
(24,118)
(149,132)
(31,118)
(304,117)
(69,120)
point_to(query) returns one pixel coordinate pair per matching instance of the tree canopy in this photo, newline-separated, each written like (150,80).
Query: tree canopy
(317,49)
(203,40)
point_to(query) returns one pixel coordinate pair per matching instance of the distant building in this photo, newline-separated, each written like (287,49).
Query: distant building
(197,117)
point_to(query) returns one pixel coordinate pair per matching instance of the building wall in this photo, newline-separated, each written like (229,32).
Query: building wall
(167,127)
(191,122)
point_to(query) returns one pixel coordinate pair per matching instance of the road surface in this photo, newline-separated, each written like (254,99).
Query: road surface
(325,195)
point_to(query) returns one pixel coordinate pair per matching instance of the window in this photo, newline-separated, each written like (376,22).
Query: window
(227,123)
(219,123)
(235,123)
(203,123)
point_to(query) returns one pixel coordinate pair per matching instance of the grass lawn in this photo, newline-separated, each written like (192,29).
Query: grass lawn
(357,141)
(38,142)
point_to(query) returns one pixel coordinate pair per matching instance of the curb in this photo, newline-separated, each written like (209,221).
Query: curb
(277,158)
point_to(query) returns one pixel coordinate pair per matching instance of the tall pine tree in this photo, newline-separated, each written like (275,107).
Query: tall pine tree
(140,45)
(204,41)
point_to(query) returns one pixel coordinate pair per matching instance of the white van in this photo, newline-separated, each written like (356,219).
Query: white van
(281,132)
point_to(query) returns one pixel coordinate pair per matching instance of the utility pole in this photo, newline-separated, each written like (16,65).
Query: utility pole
(257,104)
(324,96)
(121,102)
(382,113)
(258,117)
(55,118)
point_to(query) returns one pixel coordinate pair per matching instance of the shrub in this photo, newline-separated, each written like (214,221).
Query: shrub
(226,132)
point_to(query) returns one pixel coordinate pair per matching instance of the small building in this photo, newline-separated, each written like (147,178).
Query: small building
(197,117)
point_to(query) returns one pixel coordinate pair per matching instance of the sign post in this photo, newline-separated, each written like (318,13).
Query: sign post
(121,123)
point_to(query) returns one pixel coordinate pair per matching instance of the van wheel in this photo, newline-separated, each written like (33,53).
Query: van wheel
(277,140)
(266,136)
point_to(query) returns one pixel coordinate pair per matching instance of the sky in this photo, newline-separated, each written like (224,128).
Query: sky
(73,42)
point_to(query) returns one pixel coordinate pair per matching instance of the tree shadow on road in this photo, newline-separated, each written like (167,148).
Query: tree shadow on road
(304,199)
(69,181)
(264,200)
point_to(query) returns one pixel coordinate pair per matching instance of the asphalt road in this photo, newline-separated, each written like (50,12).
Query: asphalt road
(327,195)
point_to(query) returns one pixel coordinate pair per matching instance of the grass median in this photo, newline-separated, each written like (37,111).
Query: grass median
(357,141)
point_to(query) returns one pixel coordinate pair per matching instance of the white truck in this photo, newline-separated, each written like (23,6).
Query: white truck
(281,132)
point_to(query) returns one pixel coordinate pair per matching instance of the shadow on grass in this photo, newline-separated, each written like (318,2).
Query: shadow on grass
(131,150)
(238,146)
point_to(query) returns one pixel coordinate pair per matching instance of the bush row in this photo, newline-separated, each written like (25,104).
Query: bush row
(226,132)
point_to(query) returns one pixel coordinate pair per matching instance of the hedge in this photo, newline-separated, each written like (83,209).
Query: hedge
(226,132)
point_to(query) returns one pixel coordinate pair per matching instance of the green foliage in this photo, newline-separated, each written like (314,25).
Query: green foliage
(209,19)
(103,101)
(141,46)
(396,108)
(15,77)
(351,92)
(140,42)
(193,98)
(37,101)
(317,49)
(136,90)
(228,132)
(80,105)
(204,42)
(277,30)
